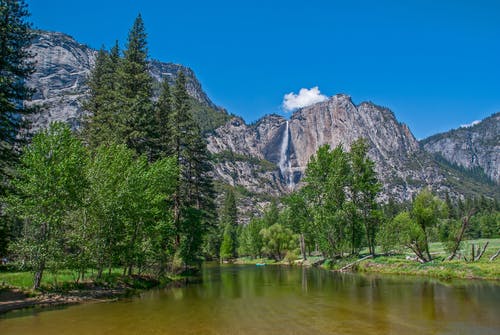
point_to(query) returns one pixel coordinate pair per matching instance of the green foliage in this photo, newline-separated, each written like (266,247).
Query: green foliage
(136,91)
(250,239)
(49,185)
(207,118)
(109,209)
(364,188)
(278,240)
(327,177)
(229,220)
(122,111)
(193,198)
(15,68)
(101,125)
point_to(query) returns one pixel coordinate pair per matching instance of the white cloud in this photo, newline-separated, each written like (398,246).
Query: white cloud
(306,97)
(473,123)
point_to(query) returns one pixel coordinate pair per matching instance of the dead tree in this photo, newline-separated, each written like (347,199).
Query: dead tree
(492,258)
(458,240)
(476,254)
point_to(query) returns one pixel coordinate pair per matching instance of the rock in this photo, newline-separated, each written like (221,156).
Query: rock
(477,146)
(62,68)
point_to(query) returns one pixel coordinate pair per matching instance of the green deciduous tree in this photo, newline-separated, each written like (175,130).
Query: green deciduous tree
(299,218)
(277,240)
(412,229)
(427,210)
(49,185)
(327,176)
(364,187)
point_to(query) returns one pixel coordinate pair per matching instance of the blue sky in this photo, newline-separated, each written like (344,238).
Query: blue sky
(436,64)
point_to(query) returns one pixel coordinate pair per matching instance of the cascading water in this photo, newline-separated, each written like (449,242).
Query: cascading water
(285,163)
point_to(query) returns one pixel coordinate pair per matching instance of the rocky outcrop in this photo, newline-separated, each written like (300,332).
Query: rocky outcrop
(402,166)
(338,121)
(476,146)
(62,68)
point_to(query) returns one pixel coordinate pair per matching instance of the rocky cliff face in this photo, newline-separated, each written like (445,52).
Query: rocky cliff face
(472,147)
(287,145)
(62,68)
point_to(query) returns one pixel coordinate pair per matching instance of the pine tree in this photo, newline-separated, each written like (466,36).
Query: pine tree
(229,220)
(161,132)
(194,208)
(136,92)
(15,68)
(100,125)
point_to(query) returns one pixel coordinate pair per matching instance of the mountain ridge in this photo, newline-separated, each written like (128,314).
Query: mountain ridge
(267,157)
(473,147)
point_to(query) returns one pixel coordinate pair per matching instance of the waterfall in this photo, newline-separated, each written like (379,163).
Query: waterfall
(285,163)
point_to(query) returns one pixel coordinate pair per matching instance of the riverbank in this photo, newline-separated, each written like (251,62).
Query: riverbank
(397,265)
(15,297)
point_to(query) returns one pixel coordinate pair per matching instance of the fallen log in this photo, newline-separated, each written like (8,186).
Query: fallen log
(492,258)
(348,266)
(481,252)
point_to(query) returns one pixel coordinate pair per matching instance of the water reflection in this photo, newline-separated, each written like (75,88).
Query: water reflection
(283,300)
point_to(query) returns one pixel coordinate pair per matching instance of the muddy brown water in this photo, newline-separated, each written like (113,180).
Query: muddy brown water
(280,300)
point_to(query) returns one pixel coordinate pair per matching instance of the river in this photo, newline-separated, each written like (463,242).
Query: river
(255,300)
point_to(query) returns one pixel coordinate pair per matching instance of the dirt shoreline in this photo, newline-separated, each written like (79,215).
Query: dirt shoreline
(13,299)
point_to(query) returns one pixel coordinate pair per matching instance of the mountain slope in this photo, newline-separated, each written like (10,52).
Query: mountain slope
(473,148)
(62,68)
(247,153)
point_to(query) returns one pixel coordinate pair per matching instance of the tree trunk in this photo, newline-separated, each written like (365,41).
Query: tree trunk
(38,276)
(480,252)
(303,246)
(99,272)
(465,224)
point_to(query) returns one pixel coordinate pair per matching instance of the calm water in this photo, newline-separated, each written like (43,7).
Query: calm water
(280,300)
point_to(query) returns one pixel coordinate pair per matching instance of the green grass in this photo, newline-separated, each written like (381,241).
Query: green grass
(65,280)
(438,268)
(252,261)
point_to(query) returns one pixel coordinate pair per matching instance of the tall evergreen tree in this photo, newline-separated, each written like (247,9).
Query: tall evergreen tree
(15,67)
(194,208)
(161,132)
(136,92)
(100,125)
(229,220)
